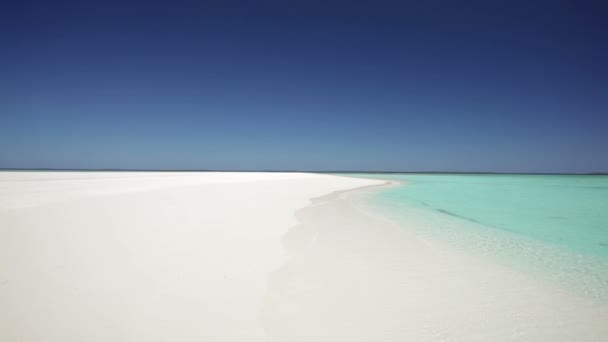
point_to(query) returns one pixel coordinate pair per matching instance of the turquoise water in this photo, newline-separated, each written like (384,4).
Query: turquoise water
(551,224)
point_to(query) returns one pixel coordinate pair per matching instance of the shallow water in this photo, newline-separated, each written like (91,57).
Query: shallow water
(552,225)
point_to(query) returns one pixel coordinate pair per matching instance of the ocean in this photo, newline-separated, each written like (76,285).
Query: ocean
(552,226)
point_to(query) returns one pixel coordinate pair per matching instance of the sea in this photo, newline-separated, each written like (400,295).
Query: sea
(554,227)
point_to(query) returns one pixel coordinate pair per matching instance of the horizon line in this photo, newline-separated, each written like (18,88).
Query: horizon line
(295,171)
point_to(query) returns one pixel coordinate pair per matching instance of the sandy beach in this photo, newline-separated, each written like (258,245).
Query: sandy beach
(90,256)
(145,256)
(354,276)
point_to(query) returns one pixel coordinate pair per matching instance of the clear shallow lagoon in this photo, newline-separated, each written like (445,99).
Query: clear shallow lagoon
(552,225)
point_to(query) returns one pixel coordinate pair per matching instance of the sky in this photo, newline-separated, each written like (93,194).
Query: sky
(497,86)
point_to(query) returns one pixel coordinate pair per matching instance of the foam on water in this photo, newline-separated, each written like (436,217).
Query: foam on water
(553,226)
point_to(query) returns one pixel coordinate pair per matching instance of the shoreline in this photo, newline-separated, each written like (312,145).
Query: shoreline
(382,279)
(255,257)
(583,274)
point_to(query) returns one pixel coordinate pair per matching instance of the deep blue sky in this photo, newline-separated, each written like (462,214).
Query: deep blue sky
(311,85)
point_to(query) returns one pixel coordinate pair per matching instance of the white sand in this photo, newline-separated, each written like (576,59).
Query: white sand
(352,276)
(221,257)
(144,256)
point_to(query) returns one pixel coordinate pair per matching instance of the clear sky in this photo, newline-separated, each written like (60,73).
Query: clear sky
(512,86)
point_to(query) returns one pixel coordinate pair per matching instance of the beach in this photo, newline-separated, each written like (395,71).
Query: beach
(355,276)
(214,256)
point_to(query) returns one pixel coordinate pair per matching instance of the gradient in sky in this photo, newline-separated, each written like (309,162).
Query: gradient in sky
(511,86)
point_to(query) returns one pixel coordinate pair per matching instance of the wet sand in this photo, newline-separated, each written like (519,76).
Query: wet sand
(352,276)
